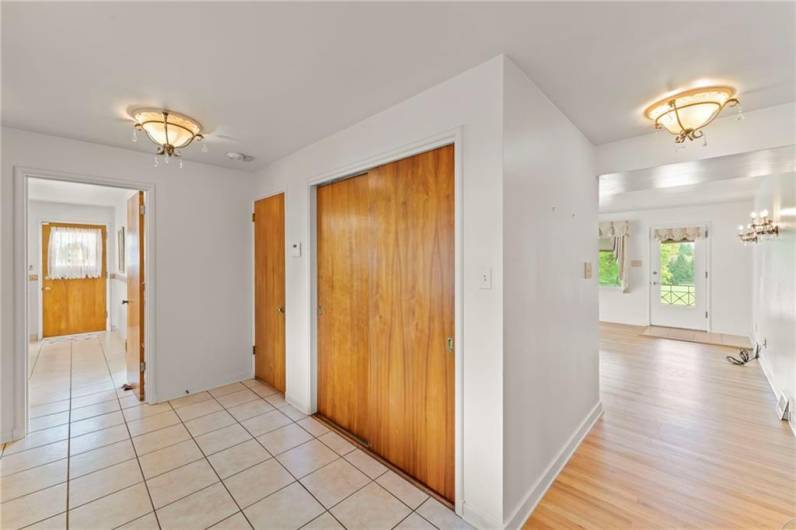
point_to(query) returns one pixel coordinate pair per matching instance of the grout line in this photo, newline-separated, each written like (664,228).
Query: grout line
(69,434)
(214,469)
(135,451)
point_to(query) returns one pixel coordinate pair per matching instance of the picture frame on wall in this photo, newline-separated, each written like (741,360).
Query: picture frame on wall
(121,248)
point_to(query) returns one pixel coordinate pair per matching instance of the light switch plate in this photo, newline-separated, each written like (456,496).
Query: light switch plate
(486,278)
(295,250)
(635,263)
(587,270)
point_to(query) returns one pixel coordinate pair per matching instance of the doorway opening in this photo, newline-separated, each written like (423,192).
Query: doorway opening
(85,252)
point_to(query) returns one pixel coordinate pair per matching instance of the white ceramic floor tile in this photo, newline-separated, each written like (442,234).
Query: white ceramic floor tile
(403,489)
(152,441)
(306,458)
(37,439)
(441,516)
(365,463)
(211,422)
(284,438)
(415,522)
(100,483)
(113,510)
(94,410)
(168,487)
(250,409)
(255,483)
(199,510)
(97,423)
(168,458)
(237,398)
(190,399)
(266,422)
(144,410)
(96,439)
(313,426)
(33,479)
(234,522)
(237,458)
(109,455)
(325,521)
(203,408)
(33,508)
(227,389)
(289,508)
(333,483)
(371,508)
(221,439)
(147,522)
(152,423)
(32,457)
(56,522)
(336,443)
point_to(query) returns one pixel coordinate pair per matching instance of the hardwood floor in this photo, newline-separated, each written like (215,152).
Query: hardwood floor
(687,440)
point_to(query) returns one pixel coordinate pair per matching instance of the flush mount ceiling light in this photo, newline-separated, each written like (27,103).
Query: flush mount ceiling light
(168,130)
(686,113)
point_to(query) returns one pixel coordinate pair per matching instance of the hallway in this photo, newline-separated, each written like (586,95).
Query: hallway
(236,456)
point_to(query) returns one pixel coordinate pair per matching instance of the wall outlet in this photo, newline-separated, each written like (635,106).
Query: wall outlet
(486,278)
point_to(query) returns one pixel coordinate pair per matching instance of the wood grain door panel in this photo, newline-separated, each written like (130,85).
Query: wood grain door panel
(269,288)
(134,260)
(386,302)
(343,235)
(73,306)
(411,378)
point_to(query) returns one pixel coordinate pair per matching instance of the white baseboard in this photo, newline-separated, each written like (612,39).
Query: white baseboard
(537,491)
(479,520)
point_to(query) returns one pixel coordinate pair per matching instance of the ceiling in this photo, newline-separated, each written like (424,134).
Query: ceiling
(75,193)
(710,180)
(269,78)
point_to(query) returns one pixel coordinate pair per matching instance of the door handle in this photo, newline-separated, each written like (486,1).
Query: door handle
(125,302)
(280,309)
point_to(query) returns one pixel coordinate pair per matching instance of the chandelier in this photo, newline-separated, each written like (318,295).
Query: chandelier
(686,113)
(168,130)
(761,227)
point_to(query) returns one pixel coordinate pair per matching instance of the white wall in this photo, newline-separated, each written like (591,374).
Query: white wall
(471,101)
(730,266)
(43,211)
(203,261)
(775,286)
(550,334)
(760,129)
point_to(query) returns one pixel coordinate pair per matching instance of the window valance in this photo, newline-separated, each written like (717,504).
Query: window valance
(685,233)
(614,229)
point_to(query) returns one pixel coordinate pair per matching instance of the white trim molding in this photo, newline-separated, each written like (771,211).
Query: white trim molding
(19,392)
(538,490)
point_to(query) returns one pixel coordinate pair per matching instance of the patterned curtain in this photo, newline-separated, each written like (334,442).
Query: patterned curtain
(615,236)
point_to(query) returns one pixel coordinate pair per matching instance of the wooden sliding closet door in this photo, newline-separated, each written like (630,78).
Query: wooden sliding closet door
(386,316)
(269,290)
(343,225)
(411,396)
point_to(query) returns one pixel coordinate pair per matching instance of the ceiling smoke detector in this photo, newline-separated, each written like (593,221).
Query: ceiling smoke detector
(240,157)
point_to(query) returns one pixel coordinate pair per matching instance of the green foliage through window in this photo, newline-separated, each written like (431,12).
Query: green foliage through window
(677,273)
(609,268)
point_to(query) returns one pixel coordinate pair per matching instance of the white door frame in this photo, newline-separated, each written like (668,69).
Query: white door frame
(654,255)
(20,229)
(450,137)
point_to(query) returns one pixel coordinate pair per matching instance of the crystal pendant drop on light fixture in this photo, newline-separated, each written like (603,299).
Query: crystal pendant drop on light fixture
(135,135)
(180,163)
(157,161)
(204,147)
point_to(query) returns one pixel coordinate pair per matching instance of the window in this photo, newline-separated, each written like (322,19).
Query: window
(677,273)
(74,253)
(609,269)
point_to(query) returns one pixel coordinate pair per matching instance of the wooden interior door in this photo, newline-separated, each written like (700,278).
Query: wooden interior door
(269,290)
(73,306)
(403,214)
(411,380)
(342,258)
(135,294)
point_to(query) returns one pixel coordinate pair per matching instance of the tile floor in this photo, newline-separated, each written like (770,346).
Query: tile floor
(238,456)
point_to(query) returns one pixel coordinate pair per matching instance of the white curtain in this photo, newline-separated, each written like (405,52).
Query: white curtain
(685,233)
(615,236)
(74,253)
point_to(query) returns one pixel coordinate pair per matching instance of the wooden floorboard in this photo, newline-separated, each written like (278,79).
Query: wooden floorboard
(687,441)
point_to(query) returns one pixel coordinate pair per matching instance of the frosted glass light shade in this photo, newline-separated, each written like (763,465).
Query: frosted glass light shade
(685,113)
(167,128)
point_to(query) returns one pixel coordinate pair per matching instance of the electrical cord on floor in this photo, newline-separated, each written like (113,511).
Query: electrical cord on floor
(745,355)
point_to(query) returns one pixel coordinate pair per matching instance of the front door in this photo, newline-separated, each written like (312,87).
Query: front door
(135,293)
(73,278)
(678,289)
